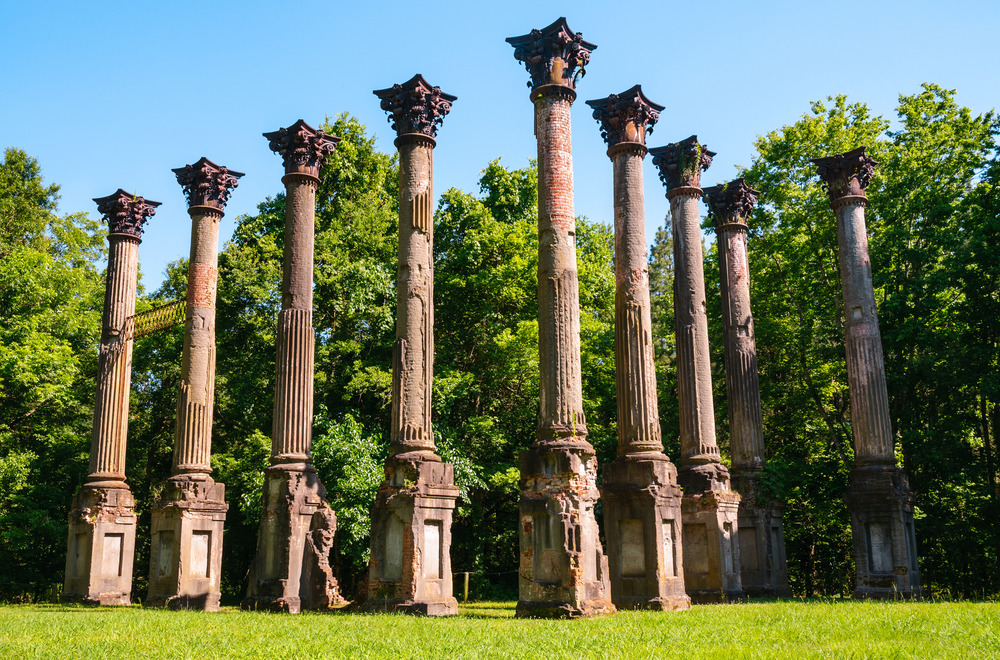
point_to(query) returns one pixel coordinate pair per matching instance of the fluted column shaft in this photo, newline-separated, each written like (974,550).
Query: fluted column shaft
(114,382)
(413,357)
(635,375)
(870,420)
(293,391)
(694,369)
(746,426)
(560,388)
(193,430)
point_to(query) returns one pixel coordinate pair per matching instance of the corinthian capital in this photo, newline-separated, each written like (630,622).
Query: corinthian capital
(207,184)
(415,106)
(303,149)
(554,55)
(731,202)
(126,213)
(846,174)
(626,117)
(681,163)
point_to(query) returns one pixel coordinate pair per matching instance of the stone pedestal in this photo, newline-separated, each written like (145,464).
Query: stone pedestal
(642,501)
(101,547)
(101,543)
(410,569)
(762,547)
(879,497)
(291,570)
(710,536)
(563,570)
(185,559)
(642,521)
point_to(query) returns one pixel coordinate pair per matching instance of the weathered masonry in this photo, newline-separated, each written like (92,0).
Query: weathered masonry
(101,545)
(291,571)
(763,572)
(563,569)
(642,501)
(410,567)
(185,565)
(710,507)
(879,496)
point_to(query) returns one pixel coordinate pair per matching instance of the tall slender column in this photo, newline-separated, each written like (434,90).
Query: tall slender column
(642,501)
(563,569)
(711,543)
(762,545)
(185,563)
(101,542)
(291,571)
(879,496)
(410,569)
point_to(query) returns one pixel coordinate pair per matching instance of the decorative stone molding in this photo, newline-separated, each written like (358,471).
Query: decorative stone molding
(626,117)
(207,184)
(126,213)
(302,148)
(846,174)
(553,55)
(415,106)
(731,203)
(681,163)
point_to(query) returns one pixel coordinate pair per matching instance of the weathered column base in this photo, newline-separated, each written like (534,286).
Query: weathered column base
(885,547)
(410,569)
(642,518)
(710,512)
(563,569)
(185,558)
(291,571)
(763,567)
(101,547)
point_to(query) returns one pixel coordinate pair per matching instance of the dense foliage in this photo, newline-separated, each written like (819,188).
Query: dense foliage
(934,222)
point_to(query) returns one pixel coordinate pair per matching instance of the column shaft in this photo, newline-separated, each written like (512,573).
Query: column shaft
(293,394)
(193,429)
(870,420)
(413,357)
(635,374)
(107,454)
(694,369)
(746,426)
(560,389)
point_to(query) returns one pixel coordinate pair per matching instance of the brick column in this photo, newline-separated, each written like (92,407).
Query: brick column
(763,571)
(879,496)
(642,501)
(185,562)
(563,569)
(291,571)
(410,569)
(711,547)
(101,542)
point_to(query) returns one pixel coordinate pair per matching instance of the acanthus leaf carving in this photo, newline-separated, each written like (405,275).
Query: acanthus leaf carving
(553,55)
(126,213)
(626,117)
(302,147)
(681,163)
(207,184)
(415,106)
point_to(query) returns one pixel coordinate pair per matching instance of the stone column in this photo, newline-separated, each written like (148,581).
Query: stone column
(710,507)
(879,496)
(410,568)
(291,571)
(563,569)
(763,571)
(101,543)
(185,559)
(642,501)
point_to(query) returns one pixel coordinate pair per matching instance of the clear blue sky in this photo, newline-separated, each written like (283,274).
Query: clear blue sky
(111,95)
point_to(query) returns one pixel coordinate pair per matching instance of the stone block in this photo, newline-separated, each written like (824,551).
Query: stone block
(101,547)
(711,546)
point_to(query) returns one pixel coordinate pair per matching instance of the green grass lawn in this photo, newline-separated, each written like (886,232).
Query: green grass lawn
(788,629)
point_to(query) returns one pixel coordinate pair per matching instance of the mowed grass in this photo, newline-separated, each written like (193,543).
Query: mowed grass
(780,629)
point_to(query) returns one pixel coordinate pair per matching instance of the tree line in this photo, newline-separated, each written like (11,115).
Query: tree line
(934,226)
